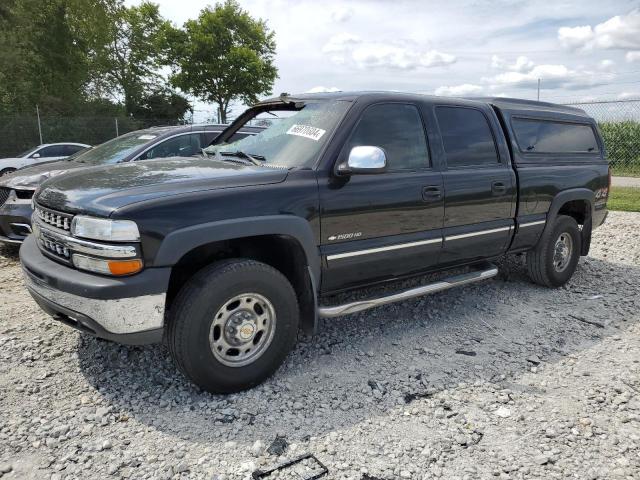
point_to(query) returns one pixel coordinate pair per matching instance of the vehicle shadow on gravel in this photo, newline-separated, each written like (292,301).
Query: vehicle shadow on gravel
(364,365)
(9,252)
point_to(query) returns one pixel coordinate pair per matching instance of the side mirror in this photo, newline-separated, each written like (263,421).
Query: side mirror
(35,155)
(364,160)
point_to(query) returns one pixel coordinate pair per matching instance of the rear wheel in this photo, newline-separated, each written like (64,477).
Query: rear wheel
(555,258)
(7,171)
(232,325)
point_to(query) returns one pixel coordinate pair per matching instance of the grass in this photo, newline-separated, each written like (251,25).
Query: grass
(626,199)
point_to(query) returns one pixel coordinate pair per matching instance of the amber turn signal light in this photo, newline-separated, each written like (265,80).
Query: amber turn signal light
(124,267)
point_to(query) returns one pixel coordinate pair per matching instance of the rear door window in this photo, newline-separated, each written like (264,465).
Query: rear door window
(466,137)
(544,136)
(71,149)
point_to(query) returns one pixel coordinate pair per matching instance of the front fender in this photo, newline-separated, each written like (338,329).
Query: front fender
(180,242)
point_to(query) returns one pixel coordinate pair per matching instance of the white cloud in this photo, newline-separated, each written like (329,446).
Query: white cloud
(340,43)
(619,32)
(396,55)
(627,95)
(552,77)
(341,14)
(632,56)
(466,89)
(575,37)
(522,64)
(606,65)
(321,89)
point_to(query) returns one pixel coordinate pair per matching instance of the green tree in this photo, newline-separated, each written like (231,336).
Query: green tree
(224,55)
(130,59)
(163,106)
(45,52)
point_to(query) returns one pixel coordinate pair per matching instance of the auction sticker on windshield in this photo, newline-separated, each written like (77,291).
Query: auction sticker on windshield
(306,131)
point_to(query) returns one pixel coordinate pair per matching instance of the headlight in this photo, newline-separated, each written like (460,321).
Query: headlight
(105,229)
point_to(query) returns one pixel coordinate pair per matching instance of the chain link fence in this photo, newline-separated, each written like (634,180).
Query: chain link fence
(19,133)
(619,123)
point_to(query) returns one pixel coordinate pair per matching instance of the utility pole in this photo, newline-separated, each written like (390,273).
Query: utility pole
(39,126)
(117,133)
(538,89)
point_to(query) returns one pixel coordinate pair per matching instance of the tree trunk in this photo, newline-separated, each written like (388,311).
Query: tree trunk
(223,112)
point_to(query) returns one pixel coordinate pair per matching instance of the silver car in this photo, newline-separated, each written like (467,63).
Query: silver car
(43,153)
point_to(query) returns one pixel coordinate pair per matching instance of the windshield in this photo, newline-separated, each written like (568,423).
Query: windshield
(116,149)
(293,138)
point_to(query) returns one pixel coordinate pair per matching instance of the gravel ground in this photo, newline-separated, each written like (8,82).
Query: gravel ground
(496,380)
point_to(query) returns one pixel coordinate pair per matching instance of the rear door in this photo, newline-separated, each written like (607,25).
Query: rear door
(479,184)
(384,225)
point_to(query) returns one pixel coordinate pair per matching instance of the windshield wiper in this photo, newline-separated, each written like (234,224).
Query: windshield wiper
(255,159)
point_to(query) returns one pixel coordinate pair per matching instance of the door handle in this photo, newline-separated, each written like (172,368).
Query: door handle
(498,188)
(431,193)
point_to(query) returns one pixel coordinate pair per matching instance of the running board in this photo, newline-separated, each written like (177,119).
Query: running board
(488,271)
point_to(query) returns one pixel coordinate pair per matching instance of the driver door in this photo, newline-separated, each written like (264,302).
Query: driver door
(381,226)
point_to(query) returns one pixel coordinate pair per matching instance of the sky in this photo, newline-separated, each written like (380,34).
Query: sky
(581,51)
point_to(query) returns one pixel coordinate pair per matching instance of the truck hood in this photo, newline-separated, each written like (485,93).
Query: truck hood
(101,190)
(30,178)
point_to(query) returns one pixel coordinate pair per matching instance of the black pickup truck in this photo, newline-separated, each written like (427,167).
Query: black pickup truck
(226,256)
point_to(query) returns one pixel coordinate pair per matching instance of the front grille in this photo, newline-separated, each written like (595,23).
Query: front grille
(4,195)
(55,219)
(54,247)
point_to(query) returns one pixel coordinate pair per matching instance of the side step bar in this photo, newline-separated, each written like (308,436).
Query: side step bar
(488,271)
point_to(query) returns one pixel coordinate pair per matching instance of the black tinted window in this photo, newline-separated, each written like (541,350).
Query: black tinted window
(466,137)
(238,136)
(543,136)
(53,151)
(71,149)
(398,130)
(180,146)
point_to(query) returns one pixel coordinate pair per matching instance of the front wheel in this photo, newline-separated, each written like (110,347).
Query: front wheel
(555,258)
(6,171)
(232,325)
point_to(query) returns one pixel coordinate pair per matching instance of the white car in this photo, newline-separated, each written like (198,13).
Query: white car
(43,153)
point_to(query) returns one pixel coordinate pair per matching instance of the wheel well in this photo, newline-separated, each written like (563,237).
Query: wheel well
(578,209)
(282,252)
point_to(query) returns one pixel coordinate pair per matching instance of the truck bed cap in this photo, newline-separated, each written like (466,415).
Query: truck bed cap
(520,104)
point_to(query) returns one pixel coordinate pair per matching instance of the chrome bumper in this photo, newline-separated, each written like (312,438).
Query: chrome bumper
(117,316)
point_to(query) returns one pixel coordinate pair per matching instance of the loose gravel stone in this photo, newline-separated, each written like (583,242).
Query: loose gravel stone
(377,395)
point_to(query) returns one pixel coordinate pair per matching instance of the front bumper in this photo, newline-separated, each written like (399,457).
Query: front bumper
(15,221)
(126,310)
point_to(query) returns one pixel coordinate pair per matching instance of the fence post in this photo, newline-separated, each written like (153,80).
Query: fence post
(117,133)
(39,126)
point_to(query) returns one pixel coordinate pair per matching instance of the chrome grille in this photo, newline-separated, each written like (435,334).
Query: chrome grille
(4,195)
(54,247)
(58,220)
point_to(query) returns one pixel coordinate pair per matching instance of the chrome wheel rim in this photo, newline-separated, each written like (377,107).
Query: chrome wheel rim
(562,252)
(242,329)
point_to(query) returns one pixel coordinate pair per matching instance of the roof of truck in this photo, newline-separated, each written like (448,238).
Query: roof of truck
(499,102)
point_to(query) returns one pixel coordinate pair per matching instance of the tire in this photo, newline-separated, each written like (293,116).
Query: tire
(207,318)
(6,171)
(548,266)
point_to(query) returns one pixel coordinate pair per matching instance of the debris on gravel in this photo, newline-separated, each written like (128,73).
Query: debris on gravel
(502,379)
